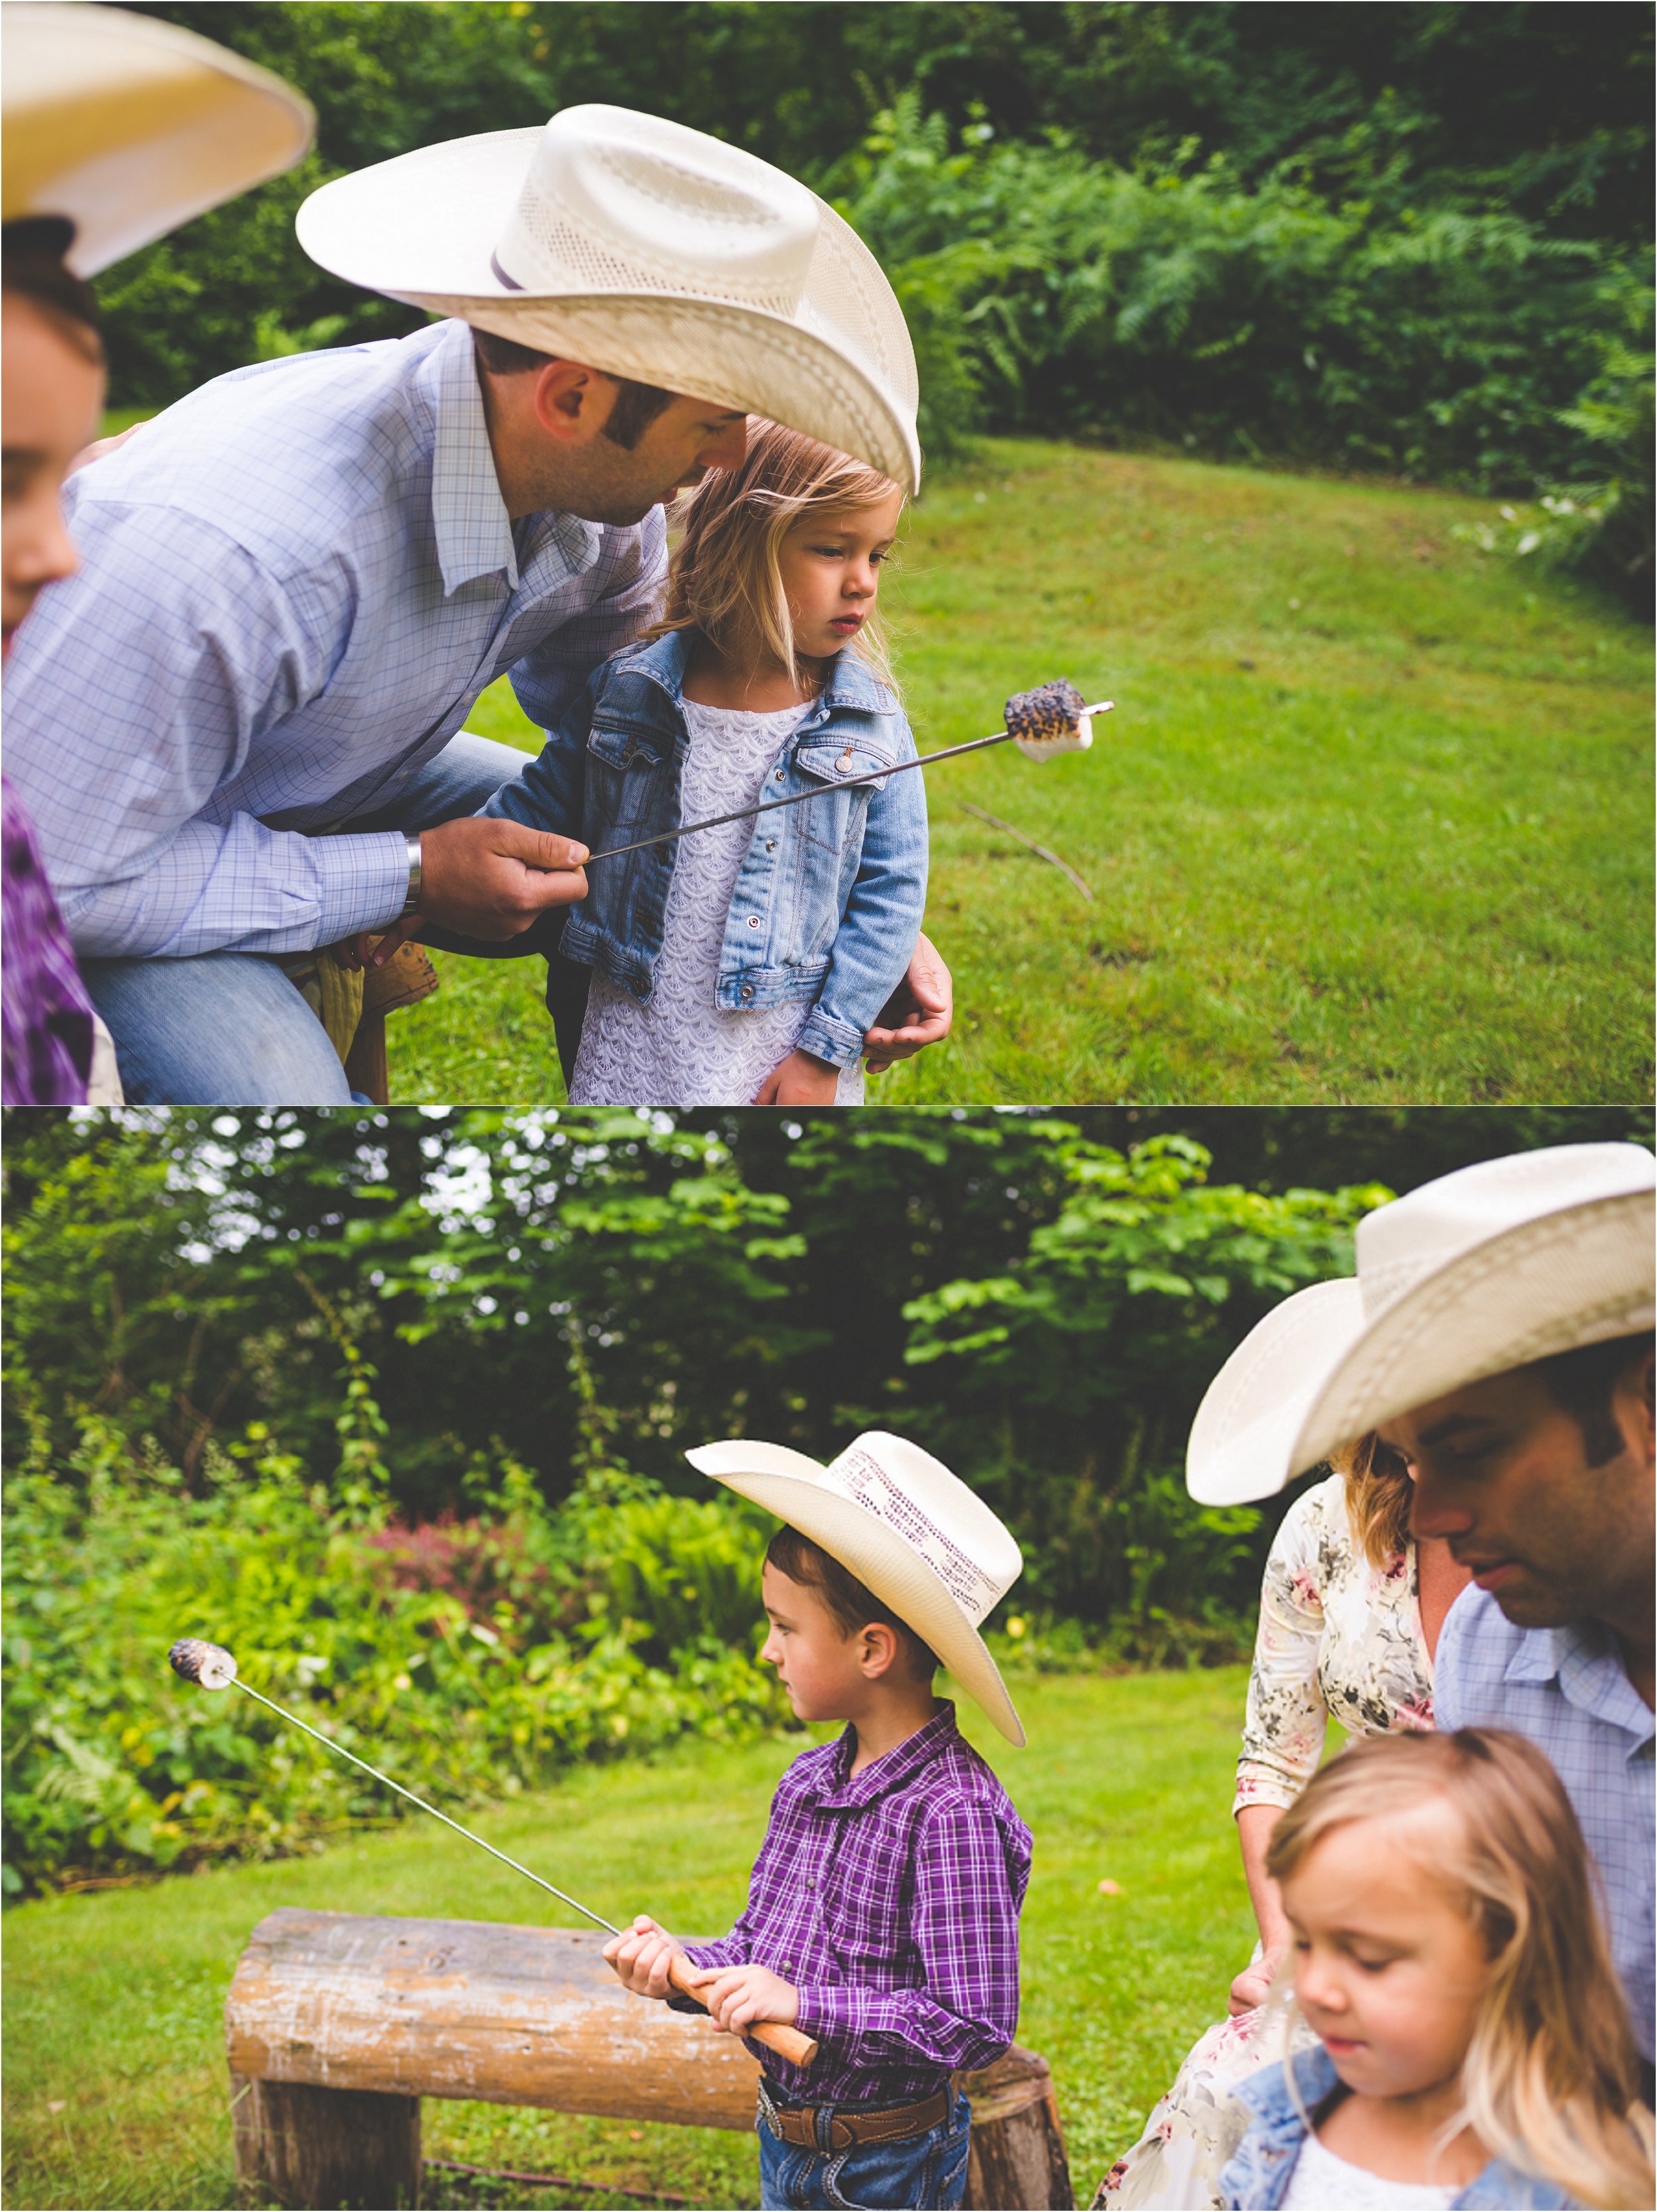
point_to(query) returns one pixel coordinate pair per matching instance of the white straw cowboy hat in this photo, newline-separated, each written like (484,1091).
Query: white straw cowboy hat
(896,1518)
(648,251)
(1483,1270)
(126,127)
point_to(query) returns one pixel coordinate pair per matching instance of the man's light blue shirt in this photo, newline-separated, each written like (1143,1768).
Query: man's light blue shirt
(295,583)
(1568,1691)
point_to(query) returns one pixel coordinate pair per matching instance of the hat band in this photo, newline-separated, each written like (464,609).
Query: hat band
(873,1488)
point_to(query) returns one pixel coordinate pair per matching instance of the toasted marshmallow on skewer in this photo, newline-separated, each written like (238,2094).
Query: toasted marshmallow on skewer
(210,1664)
(1051,719)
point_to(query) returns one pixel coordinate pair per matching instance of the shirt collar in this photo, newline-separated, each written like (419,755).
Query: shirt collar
(1582,1656)
(842,1791)
(469,516)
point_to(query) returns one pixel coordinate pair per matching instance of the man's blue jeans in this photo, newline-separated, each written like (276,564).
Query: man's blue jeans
(922,2172)
(227,1028)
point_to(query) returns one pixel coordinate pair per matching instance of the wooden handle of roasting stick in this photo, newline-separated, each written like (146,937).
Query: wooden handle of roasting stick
(787,2042)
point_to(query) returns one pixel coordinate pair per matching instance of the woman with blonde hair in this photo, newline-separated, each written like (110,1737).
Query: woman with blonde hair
(743,964)
(1350,1609)
(1473,2045)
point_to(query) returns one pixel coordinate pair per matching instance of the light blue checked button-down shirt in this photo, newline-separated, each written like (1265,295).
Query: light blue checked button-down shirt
(295,583)
(1566,1689)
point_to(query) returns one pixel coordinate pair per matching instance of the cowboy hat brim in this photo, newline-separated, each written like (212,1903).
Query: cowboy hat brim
(790,1485)
(1315,1373)
(423,228)
(128,127)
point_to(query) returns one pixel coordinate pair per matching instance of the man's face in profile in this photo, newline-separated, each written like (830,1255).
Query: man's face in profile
(1503,1473)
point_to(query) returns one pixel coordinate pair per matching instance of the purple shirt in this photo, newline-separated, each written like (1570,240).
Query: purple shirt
(890,1899)
(47,1017)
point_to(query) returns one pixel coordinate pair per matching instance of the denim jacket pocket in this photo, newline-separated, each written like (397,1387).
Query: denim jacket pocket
(628,778)
(831,821)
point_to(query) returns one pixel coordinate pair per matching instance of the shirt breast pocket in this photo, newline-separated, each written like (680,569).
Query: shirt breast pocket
(867,1918)
(829,822)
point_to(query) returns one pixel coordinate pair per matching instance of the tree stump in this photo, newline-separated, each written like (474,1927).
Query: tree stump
(1018,2156)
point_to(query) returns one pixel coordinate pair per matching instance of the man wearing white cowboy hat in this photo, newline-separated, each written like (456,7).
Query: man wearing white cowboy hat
(882,1916)
(1498,1337)
(299,578)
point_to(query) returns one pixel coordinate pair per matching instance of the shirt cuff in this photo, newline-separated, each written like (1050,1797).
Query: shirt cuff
(831,2012)
(1263,1785)
(824,1037)
(361,882)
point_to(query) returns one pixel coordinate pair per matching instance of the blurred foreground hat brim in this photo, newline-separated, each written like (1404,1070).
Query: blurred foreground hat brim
(649,251)
(1484,1270)
(903,1525)
(127,127)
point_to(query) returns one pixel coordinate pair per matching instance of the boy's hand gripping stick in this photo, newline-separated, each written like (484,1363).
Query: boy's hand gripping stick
(212,1667)
(1051,719)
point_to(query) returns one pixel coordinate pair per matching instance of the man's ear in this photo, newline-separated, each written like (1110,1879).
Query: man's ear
(571,402)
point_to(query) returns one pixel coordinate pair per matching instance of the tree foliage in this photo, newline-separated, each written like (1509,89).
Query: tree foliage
(1412,237)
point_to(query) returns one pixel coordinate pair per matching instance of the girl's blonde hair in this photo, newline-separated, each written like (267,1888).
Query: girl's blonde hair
(1378,1491)
(724,578)
(1550,2081)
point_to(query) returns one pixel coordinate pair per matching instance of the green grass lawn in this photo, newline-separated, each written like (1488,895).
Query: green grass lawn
(1370,822)
(115,2087)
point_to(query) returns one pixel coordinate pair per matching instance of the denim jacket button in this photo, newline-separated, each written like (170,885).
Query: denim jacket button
(770,844)
(753,922)
(782,775)
(747,990)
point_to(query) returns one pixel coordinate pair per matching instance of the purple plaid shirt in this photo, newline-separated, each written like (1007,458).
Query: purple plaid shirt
(890,1899)
(47,1024)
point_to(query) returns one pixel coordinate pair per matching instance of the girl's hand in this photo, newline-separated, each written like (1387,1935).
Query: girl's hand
(802,1080)
(355,951)
(642,1956)
(739,1996)
(1253,1985)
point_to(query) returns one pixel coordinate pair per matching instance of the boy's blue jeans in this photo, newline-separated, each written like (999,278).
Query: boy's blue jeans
(920,2172)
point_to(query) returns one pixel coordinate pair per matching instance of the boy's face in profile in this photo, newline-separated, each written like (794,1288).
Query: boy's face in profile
(825,1672)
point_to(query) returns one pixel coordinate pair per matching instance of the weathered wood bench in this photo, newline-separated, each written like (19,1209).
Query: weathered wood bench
(336,2025)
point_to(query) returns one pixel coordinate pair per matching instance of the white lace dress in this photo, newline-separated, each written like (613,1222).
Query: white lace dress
(682,1049)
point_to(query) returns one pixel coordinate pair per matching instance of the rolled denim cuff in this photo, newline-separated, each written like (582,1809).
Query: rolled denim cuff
(826,1039)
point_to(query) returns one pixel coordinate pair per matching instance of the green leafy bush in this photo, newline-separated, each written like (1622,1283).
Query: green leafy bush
(468,1662)
(1053,292)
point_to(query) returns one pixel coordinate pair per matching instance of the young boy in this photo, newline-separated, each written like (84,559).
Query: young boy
(882,1914)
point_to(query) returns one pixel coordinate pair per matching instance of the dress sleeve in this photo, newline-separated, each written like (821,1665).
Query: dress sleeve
(1284,1732)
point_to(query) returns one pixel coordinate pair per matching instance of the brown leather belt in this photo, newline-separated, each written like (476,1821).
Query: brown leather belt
(797,2124)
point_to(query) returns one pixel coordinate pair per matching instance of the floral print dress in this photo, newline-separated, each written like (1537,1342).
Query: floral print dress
(1338,1639)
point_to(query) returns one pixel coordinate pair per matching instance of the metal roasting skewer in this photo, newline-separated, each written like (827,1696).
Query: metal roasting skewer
(187,1655)
(798,797)
(212,1667)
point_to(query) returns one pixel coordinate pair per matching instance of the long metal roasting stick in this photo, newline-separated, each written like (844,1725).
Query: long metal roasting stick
(212,1667)
(798,798)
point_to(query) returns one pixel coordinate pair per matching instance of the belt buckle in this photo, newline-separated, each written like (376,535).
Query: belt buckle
(768,2110)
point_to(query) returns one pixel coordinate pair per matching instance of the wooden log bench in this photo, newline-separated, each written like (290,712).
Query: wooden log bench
(338,2024)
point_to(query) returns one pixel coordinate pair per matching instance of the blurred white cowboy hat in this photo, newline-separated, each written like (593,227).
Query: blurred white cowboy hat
(1483,1270)
(900,1521)
(126,127)
(648,251)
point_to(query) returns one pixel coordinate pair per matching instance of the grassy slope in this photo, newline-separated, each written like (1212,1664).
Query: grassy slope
(115,2088)
(1369,823)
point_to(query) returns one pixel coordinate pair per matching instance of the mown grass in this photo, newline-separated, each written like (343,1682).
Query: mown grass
(115,2089)
(1370,822)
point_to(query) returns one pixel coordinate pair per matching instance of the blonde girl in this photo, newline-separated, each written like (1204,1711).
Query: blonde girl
(743,964)
(1473,2044)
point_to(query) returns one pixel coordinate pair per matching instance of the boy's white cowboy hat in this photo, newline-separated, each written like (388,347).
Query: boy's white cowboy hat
(1483,1270)
(127,127)
(900,1521)
(649,251)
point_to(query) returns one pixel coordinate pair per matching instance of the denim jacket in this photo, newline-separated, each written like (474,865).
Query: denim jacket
(830,894)
(1260,2173)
